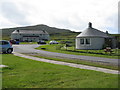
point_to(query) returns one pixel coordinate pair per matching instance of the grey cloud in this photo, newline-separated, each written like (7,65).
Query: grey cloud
(10,11)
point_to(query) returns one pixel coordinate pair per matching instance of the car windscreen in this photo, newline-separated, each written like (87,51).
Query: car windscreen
(3,42)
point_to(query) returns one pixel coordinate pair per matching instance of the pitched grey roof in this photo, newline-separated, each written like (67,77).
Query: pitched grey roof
(29,32)
(92,32)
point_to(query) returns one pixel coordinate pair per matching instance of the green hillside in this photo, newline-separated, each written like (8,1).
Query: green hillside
(55,33)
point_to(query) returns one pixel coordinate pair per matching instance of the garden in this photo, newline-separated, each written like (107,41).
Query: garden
(70,49)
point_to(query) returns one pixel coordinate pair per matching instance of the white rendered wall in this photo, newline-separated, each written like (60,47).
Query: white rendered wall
(95,43)
(16,36)
(20,36)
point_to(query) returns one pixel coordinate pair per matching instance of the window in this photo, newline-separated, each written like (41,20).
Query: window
(82,41)
(3,43)
(88,41)
(85,41)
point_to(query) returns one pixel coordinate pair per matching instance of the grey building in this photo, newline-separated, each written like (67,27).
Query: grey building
(30,35)
(92,38)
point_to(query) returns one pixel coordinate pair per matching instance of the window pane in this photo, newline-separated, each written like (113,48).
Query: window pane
(87,41)
(3,43)
(81,41)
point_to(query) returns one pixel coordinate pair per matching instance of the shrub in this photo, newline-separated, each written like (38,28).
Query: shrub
(58,47)
(43,48)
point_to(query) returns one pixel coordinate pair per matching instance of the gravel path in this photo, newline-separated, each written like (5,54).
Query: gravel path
(30,49)
(69,64)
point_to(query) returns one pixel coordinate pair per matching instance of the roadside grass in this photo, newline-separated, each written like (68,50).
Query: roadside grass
(28,42)
(89,63)
(5,37)
(71,50)
(26,73)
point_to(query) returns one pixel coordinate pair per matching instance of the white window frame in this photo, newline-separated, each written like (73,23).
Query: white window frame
(84,40)
(89,41)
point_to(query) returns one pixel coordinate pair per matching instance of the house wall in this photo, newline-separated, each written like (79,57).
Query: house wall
(95,43)
(16,36)
(30,37)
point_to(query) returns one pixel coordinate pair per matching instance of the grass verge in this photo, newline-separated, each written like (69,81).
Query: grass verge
(71,50)
(28,42)
(26,73)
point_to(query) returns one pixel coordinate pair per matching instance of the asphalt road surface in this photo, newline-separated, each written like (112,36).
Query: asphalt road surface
(30,49)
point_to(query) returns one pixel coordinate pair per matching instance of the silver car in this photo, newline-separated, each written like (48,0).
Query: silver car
(5,46)
(53,42)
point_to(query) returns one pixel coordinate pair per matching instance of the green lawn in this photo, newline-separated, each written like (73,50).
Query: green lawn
(26,73)
(28,42)
(71,50)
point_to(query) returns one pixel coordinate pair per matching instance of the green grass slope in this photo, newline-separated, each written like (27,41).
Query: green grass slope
(26,73)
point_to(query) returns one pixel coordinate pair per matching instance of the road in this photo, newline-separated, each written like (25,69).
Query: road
(30,49)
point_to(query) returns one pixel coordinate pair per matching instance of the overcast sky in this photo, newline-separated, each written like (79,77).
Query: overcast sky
(67,14)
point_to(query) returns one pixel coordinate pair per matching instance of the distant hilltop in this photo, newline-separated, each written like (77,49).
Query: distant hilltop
(50,30)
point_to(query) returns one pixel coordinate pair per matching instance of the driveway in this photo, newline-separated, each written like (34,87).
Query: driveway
(26,48)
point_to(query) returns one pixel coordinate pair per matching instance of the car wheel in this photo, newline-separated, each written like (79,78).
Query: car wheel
(9,50)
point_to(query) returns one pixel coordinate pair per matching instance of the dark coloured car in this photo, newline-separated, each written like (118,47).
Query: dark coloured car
(14,41)
(41,42)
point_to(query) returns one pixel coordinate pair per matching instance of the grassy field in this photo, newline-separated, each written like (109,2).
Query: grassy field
(71,50)
(28,42)
(26,73)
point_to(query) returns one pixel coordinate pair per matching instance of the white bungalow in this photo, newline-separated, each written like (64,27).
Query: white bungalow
(92,38)
(29,35)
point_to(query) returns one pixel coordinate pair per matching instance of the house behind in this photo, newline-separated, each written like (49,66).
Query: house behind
(29,35)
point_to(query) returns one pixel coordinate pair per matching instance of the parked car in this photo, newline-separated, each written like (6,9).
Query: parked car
(14,42)
(41,42)
(53,42)
(5,46)
(17,42)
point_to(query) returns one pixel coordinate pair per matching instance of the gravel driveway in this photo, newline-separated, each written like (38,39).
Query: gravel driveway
(26,48)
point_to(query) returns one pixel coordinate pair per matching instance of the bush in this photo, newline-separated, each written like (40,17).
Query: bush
(105,45)
(43,48)
(58,47)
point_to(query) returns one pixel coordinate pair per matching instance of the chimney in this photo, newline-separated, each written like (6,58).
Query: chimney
(90,25)
(18,31)
(107,32)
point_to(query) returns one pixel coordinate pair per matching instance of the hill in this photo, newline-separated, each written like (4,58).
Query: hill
(55,33)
